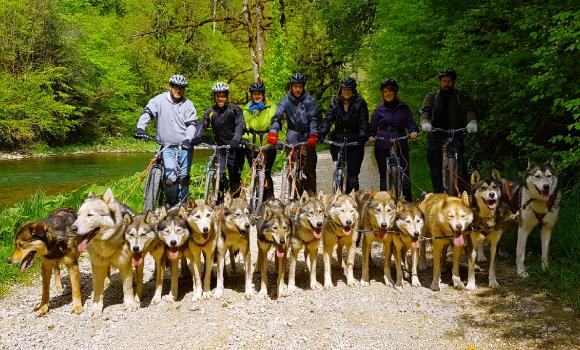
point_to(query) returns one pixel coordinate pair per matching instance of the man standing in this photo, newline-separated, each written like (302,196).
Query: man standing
(300,110)
(446,109)
(176,125)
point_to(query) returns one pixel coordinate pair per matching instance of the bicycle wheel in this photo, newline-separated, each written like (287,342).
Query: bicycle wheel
(152,195)
(284,184)
(344,176)
(256,189)
(210,188)
(450,175)
(396,181)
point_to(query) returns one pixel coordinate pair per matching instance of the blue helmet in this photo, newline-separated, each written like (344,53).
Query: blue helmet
(257,87)
(348,82)
(298,78)
(178,80)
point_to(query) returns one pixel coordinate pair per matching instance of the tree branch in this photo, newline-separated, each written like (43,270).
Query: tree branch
(179,27)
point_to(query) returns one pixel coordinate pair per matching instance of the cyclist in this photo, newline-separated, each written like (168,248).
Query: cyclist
(301,115)
(176,126)
(392,119)
(447,109)
(349,114)
(227,121)
(258,114)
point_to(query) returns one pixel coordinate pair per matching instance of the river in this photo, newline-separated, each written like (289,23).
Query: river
(19,179)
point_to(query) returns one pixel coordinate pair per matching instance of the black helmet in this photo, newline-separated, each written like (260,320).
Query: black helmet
(298,78)
(348,82)
(447,73)
(257,87)
(390,83)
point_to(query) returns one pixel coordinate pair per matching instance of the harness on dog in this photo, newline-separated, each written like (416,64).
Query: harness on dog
(550,203)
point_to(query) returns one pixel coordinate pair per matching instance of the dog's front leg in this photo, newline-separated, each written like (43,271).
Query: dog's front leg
(437,249)
(545,235)
(387,263)
(493,251)
(312,255)
(422,263)
(159,272)
(208,267)
(263,258)
(126,272)
(196,276)
(75,284)
(248,270)
(292,269)
(350,262)
(57,281)
(174,280)
(456,259)
(281,272)
(523,233)
(139,282)
(327,255)
(366,253)
(398,247)
(46,269)
(99,273)
(219,289)
(471,257)
(414,261)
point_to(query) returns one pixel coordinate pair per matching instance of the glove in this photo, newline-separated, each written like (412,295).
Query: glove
(272,138)
(140,134)
(243,143)
(196,141)
(312,140)
(427,127)
(472,127)
(235,143)
(186,144)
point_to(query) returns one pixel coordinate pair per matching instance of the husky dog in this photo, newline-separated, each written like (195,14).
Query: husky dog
(409,222)
(51,239)
(538,202)
(377,218)
(490,217)
(273,229)
(234,237)
(100,228)
(173,233)
(447,219)
(141,238)
(306,233)
(341,220)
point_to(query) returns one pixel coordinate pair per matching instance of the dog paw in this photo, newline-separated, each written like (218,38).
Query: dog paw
(195,298)
(399,285)
(282,293)
(351,282)
(168,297)
(364,283)
(415,281)
(470,285)
(156,299)
(218,293)
(315,285)
(523,274)
(263,293)
(435,286)
(291,289)
(131,306)
(206,295)
(457,282)
(328,286)
(77,309)
(493,284)
(406,275)
(41,310)
(389,282)
(249,295)
(96,311)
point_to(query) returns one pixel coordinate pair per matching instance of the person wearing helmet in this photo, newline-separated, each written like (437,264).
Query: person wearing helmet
(446,108)
(392,119)
(349,114)
(227,122)
(258,114)
(301,117)
(176,126)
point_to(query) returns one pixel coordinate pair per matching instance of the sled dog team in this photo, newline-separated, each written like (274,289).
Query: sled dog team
(115,236)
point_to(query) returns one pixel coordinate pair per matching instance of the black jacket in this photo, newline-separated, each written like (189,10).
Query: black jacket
(352,124)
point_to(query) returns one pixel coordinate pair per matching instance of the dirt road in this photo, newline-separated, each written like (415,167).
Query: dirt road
(514,316)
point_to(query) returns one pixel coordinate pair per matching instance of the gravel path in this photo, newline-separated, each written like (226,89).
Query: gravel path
(515,316)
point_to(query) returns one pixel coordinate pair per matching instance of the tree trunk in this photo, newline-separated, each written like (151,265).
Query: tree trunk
(260,32)
(251,41)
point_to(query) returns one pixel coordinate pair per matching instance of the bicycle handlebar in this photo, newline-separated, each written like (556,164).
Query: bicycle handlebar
(449,131)
(393,140)
(215,147)
(145,137)
(290,145)
(341,144)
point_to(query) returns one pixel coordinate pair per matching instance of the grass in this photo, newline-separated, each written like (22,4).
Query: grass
(561,280)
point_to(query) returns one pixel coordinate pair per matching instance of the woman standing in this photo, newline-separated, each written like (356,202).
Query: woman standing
(392,119)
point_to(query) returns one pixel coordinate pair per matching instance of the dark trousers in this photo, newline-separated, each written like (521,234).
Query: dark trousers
(269,158)
(434,157)
(354,159)
(381,156)
(234,166)
(309,168)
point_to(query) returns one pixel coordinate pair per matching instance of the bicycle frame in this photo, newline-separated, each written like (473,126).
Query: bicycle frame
(450,160)
(340,173)
(395,170)
(257,178)
(213,174)
(291,172)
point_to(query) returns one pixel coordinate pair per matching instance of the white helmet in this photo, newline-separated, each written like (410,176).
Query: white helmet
(178,79)
(220,87)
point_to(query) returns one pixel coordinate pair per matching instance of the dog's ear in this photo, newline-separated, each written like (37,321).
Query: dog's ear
(531,164)
(243,194)
(39,229)
(227,199)
(400,206)
(353,194)
(190,204)
(267,214)
(392,193)
(475,177)
(465,198)
(127,219)
(182,213)
(552,164)
(108,196)
(150,218)
(320,196)
(162,214)
(495,174)
(304,198)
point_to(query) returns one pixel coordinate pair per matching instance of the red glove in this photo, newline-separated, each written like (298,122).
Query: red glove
(272,138)
(312,140)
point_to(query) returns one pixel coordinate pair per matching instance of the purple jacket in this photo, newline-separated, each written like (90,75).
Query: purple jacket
(391,123)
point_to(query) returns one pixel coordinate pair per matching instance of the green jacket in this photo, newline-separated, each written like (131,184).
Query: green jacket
(258,121)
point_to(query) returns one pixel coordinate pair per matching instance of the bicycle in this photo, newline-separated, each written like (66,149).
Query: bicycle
(213,174)
(450,162)
(258,178)
(395,170)
(340,173)
(153,195)
(292,175)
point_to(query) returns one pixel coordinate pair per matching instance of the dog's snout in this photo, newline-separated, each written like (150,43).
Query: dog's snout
(205,229)
(282,241)
(173,243)
(319,224)
(416,234)
(135,248)
(383,225)
(247,225)
(459,227)
(349,222)
(546,187)
(74,228)
(492,195)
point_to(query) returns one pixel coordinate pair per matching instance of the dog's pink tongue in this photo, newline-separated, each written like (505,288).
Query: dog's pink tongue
(346,230)
(82,246)
(492,206)
(173,254)
(279,251)
(545,197)
(458,241)
(317,233)
(137,260)
(416,244)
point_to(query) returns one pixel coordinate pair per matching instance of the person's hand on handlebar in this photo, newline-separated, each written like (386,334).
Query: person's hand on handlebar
(372,139)
(413,135)
(426,127)
(140,134)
